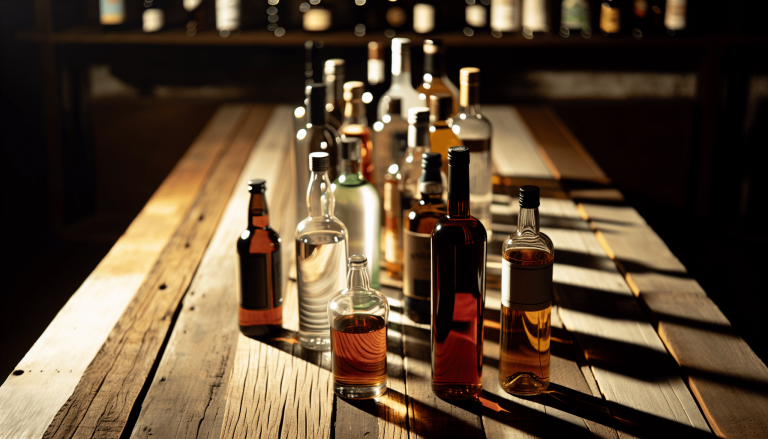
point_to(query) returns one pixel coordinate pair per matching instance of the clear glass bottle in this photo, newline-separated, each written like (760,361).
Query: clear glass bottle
(333,77)
(441,136)
(410,170)
(393,251)
(321,249)
(316,136)
(474,130)
(358,207)
(358,316)
(417,234)
(401,86)
(391,140)
(459,245)
(356,125)
(259,274)
(526,301)
(435,78)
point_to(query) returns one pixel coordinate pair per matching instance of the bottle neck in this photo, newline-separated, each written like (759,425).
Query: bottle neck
(401,64)
(357,278)
(528,221)
(258,214)
(320,201)
(434,64)
(418,135)
(350,167)
(354,112)
(469,98)
(431,198)
(316,114)
(458,191)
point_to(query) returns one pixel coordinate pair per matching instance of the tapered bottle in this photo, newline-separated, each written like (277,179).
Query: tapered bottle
(410,170)
(358,317)
(259,292)
(475,131)
(333,77)
(417,229)
(526,302)
(401,86)
(441,136)
(316,136)
(356,125)
(435,78)
(358,207)
(459,244)
(321,252)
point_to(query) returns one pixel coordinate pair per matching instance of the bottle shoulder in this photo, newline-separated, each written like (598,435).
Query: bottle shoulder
(459,230)
(422,218)
(328,229)
(528,241)
(467,126)
(258,240)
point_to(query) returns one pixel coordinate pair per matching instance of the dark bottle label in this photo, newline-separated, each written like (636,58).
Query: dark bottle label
(260,281)
(417,262)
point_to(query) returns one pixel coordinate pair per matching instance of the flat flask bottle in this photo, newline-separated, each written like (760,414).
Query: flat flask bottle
(321,252)
(459,245)
(526,302)
(358,315)
(259,292)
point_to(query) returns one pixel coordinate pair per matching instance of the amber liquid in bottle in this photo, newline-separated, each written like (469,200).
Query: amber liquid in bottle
(360,350)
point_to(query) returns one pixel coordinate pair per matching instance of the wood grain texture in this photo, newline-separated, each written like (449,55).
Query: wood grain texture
(105,396)
(186,398)
(514,151)
(52,368)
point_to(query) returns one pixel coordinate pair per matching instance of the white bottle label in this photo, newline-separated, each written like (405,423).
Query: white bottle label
(227,15)
(674,19)
(152,20)
(504,15)
(535,15)
(423,18)
(317,20)
(526,288)
(475,15)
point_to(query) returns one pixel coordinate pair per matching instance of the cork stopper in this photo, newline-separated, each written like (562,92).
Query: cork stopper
(375,50)
(353,91)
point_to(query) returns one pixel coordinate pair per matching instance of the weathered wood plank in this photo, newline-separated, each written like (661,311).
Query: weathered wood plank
(392,408)
(106,394)
(52,368)
(186,398)
(514,151)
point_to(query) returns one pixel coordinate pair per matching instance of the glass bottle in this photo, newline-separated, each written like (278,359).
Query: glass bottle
(610,17)
(377,80)
(526,301)
(321,249)
(316,136)
(393,251)
(535,17)
(459,245)
(574,17)
(391,140)
(474,130)
(356,125)
(259,290)
(441,136)
(417,229)
(333,77)
(435,78)
(410,170)
(401,78)
(358,207)
(358,316)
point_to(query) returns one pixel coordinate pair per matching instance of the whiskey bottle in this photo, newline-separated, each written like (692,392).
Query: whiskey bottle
(333,77)
(441,137)
(358,317)
(358,207)
(391,140)
(393,249)
(410,170)
(259,292)
(435,78)
(417,229)
(610,17)
(526,302)
(401,78)
(321,249)
(474,131)
(459,244)
(356,125)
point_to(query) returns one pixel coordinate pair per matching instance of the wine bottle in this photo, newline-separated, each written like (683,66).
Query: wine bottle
(356,125)
(227,17)
(441,136)
(376,78)
(333,77)
(506,16)
(610,17)
(458,248)
(435,77)
(535,17)
(417,233)
(574,17)
(401,78)
(423,17)
(358,207)
(321,250)
(675,14)
(526,302)
(260,290)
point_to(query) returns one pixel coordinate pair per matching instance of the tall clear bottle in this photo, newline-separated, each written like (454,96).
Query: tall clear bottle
(333,77)
(356,125)
(417,228)
(260,290)
(474,131)
(358,316)
(316,136)
(410,169)
(321,252)
(435,78)
(358,207)
(459,245)
(526,301)
(401,86)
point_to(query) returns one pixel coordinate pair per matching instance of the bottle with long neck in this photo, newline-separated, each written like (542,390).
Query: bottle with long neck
(526,301)
(441,137)
(459,245)
(260,289)
(410,170)
(435,78)
(391,139)
(358,207)
(474,130)
(376,75)
(333,77)
(321,252)
(356,125)
(417,229)
(401,86)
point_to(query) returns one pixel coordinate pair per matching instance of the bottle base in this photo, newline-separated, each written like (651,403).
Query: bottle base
(457,392)
(524,384)
(358,392)
(315,343)
(259,330)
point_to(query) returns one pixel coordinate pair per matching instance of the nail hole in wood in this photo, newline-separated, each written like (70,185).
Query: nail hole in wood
(201,218)
(162,287)
(18,372)
(186,245)
(162,379)
(191,308)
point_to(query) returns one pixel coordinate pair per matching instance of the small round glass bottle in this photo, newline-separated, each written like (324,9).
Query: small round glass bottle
(358,317)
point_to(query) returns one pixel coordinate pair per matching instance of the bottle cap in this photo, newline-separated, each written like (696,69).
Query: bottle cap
(319,161)
(431,160)
(316,105)
(400,44)
(375,50)
(469,76)
(257,185)
(353,91)
(433,45)
(358,260)
(334,66)
(458,156)
(350,148)
(395,105)
(418,115)
(440,106)
(529,196)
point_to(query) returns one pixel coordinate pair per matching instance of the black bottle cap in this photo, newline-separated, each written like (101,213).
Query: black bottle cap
(350,148)
(529,196)
(257,185)
(319,161)
(316,106)
(458,156)
(458,173)
(418,115)
(430,165)
(440,106)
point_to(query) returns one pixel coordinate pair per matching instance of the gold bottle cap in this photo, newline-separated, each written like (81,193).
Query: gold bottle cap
(469,76)
(353,90)
(375,50)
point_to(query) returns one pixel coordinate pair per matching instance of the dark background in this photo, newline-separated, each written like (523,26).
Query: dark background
(88,132)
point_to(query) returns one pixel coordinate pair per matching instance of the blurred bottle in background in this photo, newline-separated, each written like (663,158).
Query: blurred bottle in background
(196,16)
(391,140)
(153,16)
(401,86)
(356,125)
(410,170)
(333,77)
(227,17)
(441,136)
(376,73)
(575,18)
(535,17)
(435,78)
(506,16)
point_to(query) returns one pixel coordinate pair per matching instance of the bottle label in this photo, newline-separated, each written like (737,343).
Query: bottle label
(526,288)
(417,265)
(674,19)
(111,11)
(535,15)
(609,19)
(260,288)
(504,15)
(575,14)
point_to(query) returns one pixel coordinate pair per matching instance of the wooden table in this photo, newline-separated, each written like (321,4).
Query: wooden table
(149,346)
